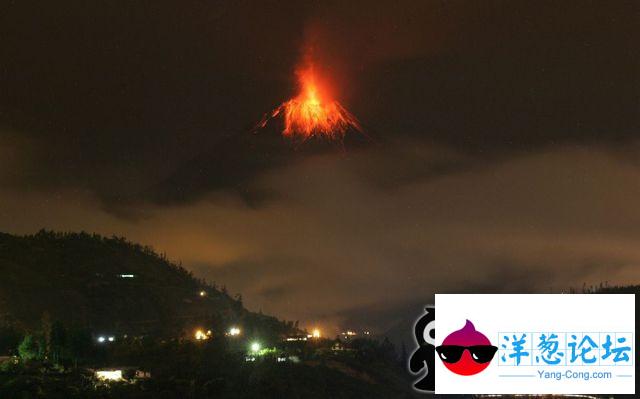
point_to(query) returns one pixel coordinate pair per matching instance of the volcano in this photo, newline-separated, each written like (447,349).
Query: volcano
(313,120)
(313,112)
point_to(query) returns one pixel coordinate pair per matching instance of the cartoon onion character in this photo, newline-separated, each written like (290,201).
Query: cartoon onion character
(466,351)
(425,334)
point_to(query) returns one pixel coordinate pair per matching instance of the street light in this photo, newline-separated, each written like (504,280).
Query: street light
(255,347)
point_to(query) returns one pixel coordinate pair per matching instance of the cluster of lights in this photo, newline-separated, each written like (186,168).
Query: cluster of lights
(201,335)
(109,375)
(255,347)
(103,339)
(290,339)
(315,333)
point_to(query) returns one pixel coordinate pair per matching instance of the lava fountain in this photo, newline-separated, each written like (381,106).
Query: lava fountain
(313,112)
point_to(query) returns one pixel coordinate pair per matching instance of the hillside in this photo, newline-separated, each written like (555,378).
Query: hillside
(111,285)
(60,289)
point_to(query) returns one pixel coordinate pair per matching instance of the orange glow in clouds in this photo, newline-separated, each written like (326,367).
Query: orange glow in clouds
(313,112)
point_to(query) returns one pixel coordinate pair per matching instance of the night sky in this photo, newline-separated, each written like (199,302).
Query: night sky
(502,154)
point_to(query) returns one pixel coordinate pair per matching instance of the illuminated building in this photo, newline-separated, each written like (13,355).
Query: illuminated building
(109,375)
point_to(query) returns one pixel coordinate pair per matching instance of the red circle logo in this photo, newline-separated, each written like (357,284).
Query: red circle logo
(466,351)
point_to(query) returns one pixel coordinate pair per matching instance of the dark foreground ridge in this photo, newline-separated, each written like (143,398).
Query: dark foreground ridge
(84,316)
(111,285)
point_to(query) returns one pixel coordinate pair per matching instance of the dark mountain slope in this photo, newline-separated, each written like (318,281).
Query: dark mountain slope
(77,278)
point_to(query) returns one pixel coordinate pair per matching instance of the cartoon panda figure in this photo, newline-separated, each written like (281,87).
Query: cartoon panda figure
(425,335)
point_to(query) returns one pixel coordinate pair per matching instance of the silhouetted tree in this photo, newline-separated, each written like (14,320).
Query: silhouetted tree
(10,336)
(79,345)
(57,342)
(29,348)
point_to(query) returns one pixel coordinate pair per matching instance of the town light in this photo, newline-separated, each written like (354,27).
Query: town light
(203,293)
(101,339)
(233,331)
(200,335)
(315,333)
(109,375)
(255,347)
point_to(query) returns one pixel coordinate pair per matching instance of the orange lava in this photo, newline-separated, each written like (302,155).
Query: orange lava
(313,113)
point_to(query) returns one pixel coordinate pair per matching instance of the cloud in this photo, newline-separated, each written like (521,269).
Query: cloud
(336,242)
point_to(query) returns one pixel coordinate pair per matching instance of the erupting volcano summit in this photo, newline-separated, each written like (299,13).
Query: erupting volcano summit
(313,112)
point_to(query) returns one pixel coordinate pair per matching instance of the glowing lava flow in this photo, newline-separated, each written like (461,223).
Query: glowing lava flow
(312,112)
